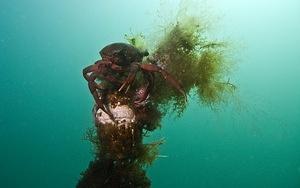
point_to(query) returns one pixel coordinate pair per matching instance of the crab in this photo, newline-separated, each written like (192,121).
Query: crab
(119,59)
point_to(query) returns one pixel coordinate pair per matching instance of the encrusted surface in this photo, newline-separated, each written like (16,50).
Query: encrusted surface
(123,115)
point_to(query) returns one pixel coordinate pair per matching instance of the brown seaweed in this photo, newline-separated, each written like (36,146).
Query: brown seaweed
(201,65)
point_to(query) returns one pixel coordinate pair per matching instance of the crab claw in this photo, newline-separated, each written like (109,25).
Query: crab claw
(141,96)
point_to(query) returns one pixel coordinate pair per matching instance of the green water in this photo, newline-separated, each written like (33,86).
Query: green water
(45,105)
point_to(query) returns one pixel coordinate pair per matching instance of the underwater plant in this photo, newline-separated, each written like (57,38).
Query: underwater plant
(198,62)
(201,64)
(194,64)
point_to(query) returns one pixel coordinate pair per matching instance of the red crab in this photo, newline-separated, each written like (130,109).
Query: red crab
(118,59)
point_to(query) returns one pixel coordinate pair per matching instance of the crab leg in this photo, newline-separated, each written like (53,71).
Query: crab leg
(99,68)
(166,75)
(93,86)
(89,69)
(131,76)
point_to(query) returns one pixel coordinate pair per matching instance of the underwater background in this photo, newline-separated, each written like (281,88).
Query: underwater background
(45,105)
